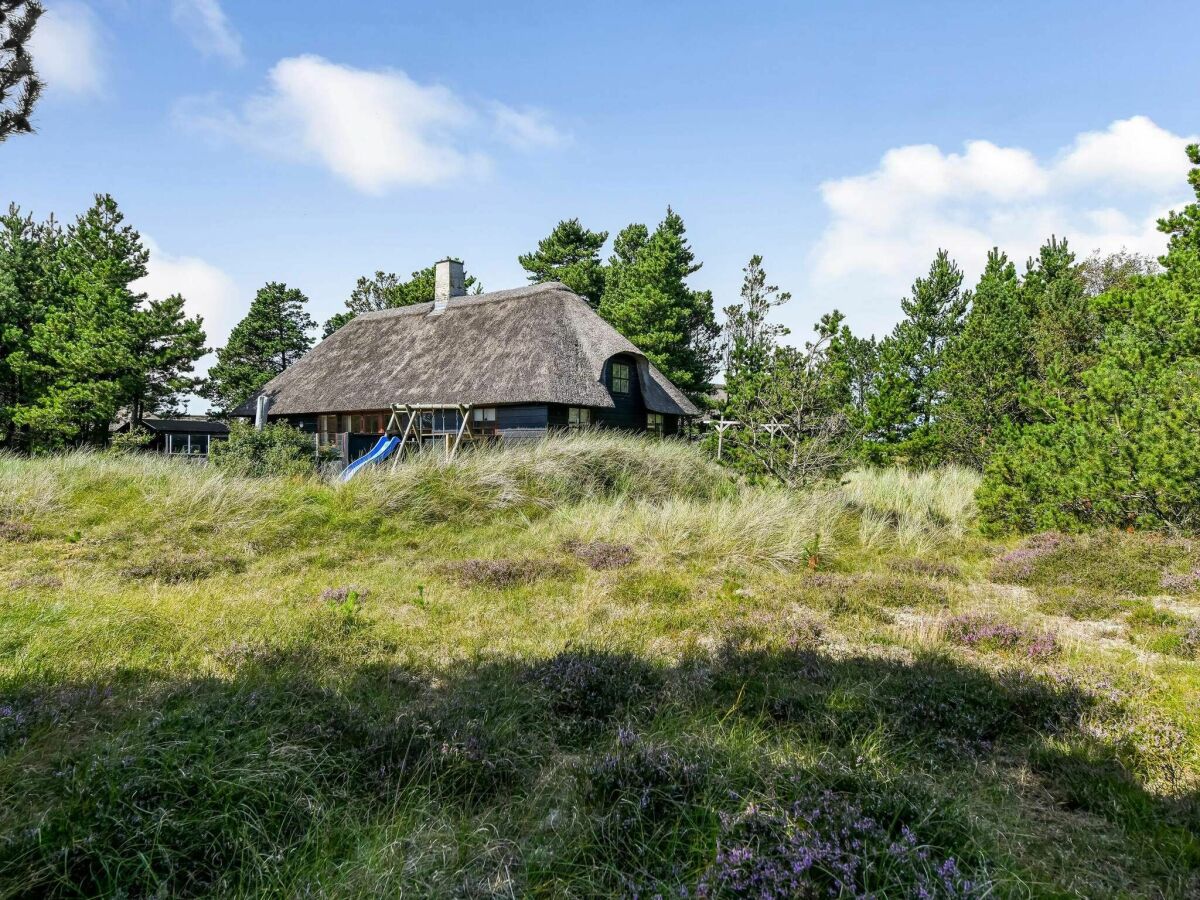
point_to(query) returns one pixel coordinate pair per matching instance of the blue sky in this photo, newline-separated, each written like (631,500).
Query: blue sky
(315,142)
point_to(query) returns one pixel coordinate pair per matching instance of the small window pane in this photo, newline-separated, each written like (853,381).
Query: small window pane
(654,422)
(620,378)
(484,414)
(579,416)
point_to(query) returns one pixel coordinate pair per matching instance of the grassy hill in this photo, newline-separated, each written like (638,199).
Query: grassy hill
(591,666)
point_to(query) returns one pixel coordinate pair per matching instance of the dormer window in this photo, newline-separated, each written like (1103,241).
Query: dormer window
(622,373)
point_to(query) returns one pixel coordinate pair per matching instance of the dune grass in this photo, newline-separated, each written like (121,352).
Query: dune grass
(593,666)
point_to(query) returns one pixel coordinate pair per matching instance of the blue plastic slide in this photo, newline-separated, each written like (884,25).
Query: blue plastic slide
(380,451)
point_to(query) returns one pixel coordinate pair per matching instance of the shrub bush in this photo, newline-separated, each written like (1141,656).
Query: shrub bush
(278,449)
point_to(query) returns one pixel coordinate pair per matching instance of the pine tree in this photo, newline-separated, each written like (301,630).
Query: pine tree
(83,351)
(386,291)
(167,345)
(272,336)
(570,254)
(29,253)
(1118,409)
(77,342)
(750,340)
(1065,329)
(852,363)
(20,86)
(647,299)
(1183,228)
(908,391)
(987,366)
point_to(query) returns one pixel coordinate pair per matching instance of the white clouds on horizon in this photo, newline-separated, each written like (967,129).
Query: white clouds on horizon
(1103,192)
(67,49)
(374,129)
(209,29)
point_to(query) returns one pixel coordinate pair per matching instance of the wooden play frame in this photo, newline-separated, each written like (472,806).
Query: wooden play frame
(414,437)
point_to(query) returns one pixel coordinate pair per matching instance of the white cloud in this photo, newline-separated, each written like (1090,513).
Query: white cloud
(1104,191)
(207,291)
(376,130)
(67,49)
(208,28)
(526,129)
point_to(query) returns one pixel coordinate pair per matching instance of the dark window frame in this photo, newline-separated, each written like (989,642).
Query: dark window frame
(622,383)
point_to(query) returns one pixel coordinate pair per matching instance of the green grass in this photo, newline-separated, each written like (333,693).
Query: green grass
(588,667)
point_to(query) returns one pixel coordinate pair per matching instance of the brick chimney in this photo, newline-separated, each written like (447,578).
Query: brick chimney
(447,282)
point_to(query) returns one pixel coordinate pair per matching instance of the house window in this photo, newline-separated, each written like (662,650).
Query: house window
(178,443)
(654,422)
(198,444)
(483,419)
(579,417)
(621,374)
(327,424)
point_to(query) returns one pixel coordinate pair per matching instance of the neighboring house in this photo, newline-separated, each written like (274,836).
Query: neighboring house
(184,436)
(523,361)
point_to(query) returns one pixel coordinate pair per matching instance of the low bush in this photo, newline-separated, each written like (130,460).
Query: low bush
(1163,631)
(276,449)
(591,685)
(1103,561)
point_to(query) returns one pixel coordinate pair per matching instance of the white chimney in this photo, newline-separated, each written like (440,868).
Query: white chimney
(260,411)
(447,282)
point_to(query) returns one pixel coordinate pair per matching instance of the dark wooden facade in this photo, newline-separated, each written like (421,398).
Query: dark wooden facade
(181,437)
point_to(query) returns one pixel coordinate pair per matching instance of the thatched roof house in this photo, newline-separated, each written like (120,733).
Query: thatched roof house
(525,360)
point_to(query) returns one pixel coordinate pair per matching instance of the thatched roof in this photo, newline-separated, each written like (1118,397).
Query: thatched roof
(535,344)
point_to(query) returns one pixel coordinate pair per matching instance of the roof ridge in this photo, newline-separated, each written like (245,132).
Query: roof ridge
(525,291)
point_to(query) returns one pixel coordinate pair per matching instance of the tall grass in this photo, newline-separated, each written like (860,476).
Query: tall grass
(775,528)
(665,496)
(560,470)
(917,510)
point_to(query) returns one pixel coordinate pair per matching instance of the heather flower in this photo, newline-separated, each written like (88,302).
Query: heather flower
(1018,565)
(989,633)
(601,554)
(1177,583)
(824,846)
(342,594)
(592,685)
(502,573)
